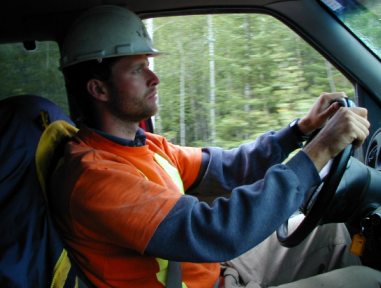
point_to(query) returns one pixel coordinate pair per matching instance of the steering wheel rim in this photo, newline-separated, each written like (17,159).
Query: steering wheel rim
(321,202)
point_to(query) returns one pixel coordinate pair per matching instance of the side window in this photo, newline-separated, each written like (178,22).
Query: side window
(232,77)
(32,72)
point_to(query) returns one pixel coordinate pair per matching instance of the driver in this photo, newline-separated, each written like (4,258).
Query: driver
(124,199)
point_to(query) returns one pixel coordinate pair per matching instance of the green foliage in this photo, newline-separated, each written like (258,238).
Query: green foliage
(32,72)
(365,22)
(266,76)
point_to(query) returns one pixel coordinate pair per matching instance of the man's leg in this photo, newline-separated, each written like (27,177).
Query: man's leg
(270,264)
(350,277)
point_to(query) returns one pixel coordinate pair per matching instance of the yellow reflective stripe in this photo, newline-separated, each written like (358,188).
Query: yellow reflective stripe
(175,175)
(61,270)
(143,174)
(162,274)
(171,171)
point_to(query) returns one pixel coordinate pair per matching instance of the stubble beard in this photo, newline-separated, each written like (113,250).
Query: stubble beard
(131,110)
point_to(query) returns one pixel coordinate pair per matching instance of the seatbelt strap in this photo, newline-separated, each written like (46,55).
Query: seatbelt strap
(174,277)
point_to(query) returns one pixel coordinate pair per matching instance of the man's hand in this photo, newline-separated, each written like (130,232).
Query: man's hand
(347,125)
(321,111)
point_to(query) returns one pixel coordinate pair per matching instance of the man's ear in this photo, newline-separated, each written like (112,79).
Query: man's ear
(97,89)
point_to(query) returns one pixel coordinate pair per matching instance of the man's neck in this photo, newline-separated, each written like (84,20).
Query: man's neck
(126,130)
(139,141)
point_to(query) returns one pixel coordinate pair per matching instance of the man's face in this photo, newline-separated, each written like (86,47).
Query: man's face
(133,91)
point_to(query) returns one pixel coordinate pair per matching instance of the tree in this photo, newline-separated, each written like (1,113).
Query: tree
(261,75)
(212,77)
(32,72)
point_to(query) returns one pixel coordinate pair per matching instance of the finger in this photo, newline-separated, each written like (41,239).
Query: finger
(364,126)
(330,97)
(361,134)
(362,121)
(360,111)
(360,128)
(357,113)
(331,110)
(358,117)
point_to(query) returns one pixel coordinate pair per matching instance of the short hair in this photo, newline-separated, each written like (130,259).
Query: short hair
(79,74)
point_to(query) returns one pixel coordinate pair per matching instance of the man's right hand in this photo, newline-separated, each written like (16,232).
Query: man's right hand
(348,125)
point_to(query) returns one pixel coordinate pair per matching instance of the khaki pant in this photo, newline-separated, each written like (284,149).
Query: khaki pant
(319,261)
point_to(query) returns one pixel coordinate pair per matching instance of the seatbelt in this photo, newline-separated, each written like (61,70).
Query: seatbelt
(174,277)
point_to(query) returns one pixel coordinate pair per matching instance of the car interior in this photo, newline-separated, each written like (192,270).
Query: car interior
(32,254)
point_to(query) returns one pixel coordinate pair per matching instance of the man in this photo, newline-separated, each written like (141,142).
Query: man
(118,196)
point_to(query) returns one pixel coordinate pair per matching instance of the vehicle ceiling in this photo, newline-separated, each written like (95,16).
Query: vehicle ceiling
(23,20)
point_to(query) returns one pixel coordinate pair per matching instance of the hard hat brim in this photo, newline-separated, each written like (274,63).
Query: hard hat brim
(99,58)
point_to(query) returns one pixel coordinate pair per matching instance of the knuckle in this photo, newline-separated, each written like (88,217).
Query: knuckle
(352,126)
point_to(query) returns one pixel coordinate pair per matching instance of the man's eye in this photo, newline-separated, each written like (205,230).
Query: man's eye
(137,70)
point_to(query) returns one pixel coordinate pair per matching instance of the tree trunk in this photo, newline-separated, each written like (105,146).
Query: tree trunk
(212,98)
(156,120)
(247,80)
(330,75)
(182,94)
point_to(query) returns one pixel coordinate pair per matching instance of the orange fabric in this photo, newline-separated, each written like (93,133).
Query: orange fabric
(109,211)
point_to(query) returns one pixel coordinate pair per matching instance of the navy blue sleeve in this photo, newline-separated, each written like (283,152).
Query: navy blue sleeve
(194,231)
(224,170)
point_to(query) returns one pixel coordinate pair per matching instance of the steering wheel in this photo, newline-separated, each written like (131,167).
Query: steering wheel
(320,200)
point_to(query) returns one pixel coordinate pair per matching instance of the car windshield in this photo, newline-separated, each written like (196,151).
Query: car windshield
(362,17)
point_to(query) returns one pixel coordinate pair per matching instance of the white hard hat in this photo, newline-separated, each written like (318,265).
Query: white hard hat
(106,31)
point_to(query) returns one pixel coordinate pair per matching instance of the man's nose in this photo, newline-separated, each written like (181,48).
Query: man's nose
(154,80)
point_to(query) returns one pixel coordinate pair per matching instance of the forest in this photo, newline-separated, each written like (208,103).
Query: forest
(232,77)
(228,79)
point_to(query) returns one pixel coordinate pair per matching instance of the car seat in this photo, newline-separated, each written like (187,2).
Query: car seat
(31,252)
